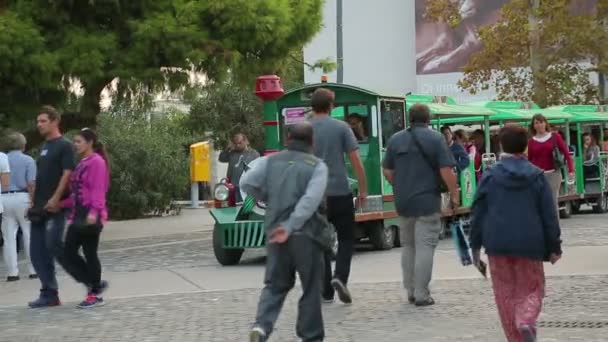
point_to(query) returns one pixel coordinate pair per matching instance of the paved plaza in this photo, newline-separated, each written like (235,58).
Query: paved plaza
(167,286)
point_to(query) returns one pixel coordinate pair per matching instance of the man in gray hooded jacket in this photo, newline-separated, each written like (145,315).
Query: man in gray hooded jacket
(293,184)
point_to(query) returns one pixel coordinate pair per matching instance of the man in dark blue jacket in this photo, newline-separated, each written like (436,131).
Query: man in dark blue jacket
(515,219)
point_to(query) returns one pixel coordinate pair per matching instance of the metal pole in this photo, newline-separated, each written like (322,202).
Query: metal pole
(339,42)
(194,195)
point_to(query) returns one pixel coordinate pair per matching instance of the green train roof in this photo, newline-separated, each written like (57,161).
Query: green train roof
(330,86)
(503,104)
(426,99)
(583,113)
(453,111)
(577,108)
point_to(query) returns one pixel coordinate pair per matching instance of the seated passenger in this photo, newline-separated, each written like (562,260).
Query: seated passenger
(591,157)
(356,123)
(478,139)
(460,154)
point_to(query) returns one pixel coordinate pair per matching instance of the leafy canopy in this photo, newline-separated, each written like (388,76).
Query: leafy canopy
(147,44)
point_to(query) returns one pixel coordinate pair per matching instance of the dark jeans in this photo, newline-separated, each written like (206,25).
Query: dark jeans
(299,254)
(45,247)
(85,270)
(341,213)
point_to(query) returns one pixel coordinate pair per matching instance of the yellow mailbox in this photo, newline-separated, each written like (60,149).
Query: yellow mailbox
(200,162)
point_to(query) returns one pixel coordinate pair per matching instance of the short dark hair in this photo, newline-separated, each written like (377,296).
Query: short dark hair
(322,100)
(460,134)
(51,112)
(513,139)
(420,113)
(445,128)
(302,131)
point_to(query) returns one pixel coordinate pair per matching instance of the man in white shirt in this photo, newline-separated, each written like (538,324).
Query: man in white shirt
(16,200)
(5,172)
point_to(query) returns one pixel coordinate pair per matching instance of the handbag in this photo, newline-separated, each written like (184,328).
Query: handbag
(37,215)
(442,186)
(325,235)
(559,160)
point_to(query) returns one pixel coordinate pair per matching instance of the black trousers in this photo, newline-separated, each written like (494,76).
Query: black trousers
(85,270)
(341,213)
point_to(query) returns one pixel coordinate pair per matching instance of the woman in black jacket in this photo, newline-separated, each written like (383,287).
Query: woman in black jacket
(515,220)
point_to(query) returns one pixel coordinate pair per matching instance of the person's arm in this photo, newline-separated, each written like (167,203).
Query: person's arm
(309,203)
(561,144)
(388,164)
(550,220)
(479,211)
(252,181)
(5,172)
(446,164)
(67,164)
(30,176)
(595,154)
(462,157)
(97,182)
(351,147)
(225,154)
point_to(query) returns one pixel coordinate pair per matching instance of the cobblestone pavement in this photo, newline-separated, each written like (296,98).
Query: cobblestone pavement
(465,312)
(187,250)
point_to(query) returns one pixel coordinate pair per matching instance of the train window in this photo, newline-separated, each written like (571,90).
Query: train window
(392,116)
(358,118)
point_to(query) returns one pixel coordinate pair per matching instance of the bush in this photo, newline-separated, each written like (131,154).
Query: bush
(148,161)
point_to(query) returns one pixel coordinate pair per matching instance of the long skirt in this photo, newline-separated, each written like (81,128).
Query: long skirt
(519,289)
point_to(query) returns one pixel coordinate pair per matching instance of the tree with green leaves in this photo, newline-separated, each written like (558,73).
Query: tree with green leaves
(539,50)
(46,45)
(228,107)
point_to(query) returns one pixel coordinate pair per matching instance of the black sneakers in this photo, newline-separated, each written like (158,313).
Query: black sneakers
(12,278)
(342,291)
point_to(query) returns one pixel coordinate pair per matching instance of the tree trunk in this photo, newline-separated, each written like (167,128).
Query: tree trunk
(89,107)
(537,58)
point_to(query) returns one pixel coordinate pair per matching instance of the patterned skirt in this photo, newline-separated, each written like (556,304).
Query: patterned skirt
(519,289)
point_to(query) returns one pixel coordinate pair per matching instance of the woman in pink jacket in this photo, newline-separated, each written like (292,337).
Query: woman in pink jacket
(88,186)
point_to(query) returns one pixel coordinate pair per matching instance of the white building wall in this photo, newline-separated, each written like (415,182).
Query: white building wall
(379,45)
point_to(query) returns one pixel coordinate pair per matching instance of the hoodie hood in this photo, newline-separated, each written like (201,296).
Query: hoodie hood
(513,172)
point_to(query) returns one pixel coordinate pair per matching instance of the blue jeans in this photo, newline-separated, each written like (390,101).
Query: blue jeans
(46,245)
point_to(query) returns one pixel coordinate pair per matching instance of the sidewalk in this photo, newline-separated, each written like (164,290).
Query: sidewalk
(190,220)
(367,268)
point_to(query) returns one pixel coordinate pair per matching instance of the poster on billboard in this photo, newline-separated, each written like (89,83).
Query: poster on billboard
(442,51)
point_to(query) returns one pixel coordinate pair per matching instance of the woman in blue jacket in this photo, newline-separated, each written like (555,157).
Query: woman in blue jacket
(515,220)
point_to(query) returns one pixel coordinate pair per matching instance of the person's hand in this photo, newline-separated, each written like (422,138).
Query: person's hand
(476,256)
(553,258)
(91,220)
(52,205)
(278,235)
(455,200)
(362,199)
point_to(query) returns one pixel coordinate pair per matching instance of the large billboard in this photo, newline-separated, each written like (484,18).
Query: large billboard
(442,52)
(389,46)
